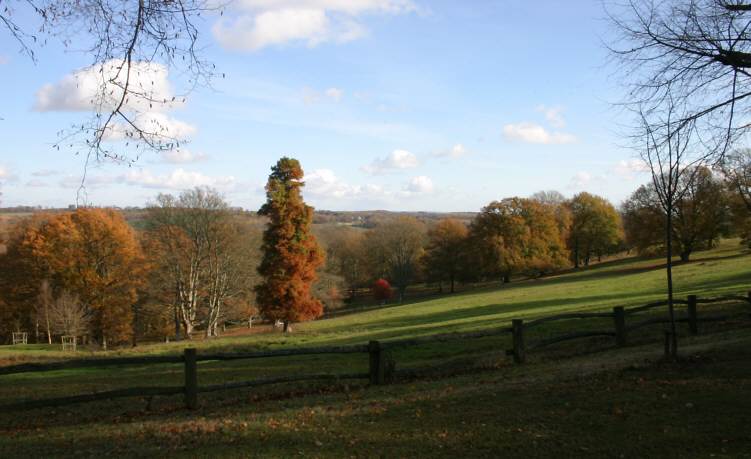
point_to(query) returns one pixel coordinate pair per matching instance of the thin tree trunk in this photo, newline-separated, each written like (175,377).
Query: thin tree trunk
(287,328)
(669,259)
(178,328)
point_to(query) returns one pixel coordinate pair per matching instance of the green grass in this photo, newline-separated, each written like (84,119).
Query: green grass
(335,415)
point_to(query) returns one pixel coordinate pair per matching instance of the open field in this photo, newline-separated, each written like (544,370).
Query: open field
(496,405)
(621,403)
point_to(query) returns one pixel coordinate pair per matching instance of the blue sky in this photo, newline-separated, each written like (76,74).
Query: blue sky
(388,104)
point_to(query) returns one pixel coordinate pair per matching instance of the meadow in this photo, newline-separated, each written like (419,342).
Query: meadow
(580,396)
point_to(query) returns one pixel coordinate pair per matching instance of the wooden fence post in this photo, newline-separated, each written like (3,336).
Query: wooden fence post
(692,317)
(517,333)
(377,363)
(191,379)
(619,319)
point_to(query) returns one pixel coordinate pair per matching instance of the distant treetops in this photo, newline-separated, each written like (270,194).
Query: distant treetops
(291,253)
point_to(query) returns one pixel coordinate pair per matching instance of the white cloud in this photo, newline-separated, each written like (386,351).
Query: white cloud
(92,181)
(261,23)
(3,60)
(398,159)
(311,96)
(182,156)
(334,94)
(420,185)
(154,125)
(580,180)
(4,173)
(457,151)
(534,133)
(99,88)
(179,179)
(45,173)
(553,115)
(324,183)
(631,169)
(36,183)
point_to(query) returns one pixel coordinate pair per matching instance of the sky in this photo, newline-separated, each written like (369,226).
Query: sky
(400,105)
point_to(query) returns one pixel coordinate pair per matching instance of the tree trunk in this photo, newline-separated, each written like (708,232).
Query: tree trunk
(506,278)
(685,255)
(576,254)
(287,327)
(452,284)
(178,326)
(669,259)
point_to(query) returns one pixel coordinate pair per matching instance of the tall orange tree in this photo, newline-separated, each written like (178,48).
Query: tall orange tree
(291,253)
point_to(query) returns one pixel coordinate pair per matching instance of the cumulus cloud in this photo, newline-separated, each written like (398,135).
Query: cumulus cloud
(182,156)
(179,179)
(257,24)
(334,94)
(553,115)
(324,183)
(534,133)
(311,96)
(631,169)
(45,173)
(92,181)
(420,185)
(457,151)
(398,159)
(580,180)
(4,172)
(100,88)
(154,125)
(36,183)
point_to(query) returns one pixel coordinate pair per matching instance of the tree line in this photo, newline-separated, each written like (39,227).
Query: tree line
(193,264)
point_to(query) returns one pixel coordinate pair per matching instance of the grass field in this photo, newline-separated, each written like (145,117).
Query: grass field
(582,404)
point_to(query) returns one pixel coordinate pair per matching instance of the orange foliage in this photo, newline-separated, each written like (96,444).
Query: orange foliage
(291,253)
(90,253)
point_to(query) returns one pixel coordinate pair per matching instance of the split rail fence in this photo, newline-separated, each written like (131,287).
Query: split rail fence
(381,366)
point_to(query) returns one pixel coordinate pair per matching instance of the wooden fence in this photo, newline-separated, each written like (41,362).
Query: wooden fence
(380,364)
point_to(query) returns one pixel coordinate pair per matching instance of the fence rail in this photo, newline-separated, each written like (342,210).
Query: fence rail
(380,363)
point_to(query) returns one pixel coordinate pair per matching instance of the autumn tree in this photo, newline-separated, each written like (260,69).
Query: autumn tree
(394,249)
(69,316)
(291,253)
(347,257)
(204,254)
(699,218)
(595,227)
(446,252)
(736,171)
(517,235)
(92,254)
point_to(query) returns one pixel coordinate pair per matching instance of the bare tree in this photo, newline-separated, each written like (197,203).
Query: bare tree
(695,54)
(673,156)
(44,303)
(69,316)
(130,43)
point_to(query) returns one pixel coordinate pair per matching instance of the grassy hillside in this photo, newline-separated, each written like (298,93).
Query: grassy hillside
(446,415)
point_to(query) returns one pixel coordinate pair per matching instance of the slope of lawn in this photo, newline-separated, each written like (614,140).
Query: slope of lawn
(618,403)
(627,282)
